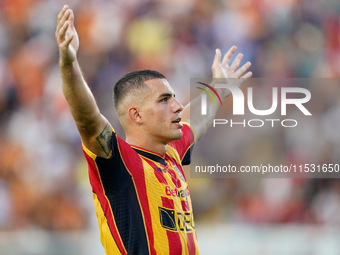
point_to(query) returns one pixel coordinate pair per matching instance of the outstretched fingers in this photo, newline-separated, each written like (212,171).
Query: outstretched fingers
(62,12)
(222,69)
(61,21)
(66,36)
(65,27)
(71,18)
(237,61)
(68,41)
(62,32)
(217,58)
(228,55)
(242,69)
(247,75)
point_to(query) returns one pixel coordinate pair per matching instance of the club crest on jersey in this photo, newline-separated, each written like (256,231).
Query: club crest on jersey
(158,169)
(179,173)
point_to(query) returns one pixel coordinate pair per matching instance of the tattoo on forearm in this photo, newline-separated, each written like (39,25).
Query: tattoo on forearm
(105,139)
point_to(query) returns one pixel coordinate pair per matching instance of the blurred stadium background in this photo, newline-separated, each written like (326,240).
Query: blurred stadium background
(46,204)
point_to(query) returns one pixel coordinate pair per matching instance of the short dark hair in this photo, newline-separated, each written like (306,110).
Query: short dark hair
(133,80)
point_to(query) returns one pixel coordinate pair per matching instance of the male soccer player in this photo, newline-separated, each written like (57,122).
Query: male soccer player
(140,193)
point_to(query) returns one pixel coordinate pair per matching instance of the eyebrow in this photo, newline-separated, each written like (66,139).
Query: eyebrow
(166,95)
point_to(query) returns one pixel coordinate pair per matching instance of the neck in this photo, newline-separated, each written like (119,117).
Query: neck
(158,148)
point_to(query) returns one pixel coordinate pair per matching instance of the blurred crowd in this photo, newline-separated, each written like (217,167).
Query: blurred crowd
(43,174)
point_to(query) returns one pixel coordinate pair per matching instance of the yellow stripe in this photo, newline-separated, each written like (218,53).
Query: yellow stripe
(196,244)
(106,237)
(91,154)
(186,152)
(153,189)
(88,152)
(100,179)
(174,154)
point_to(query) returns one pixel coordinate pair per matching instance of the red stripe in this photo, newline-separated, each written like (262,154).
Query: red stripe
(174,178)
(183,144)
(157,171)
(99,190)
(191,244)
(175,245)
(174,240)
(185,206)
(168,203)
(139,182)
(160,175)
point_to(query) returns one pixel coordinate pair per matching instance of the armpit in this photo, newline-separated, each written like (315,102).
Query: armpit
(104,139)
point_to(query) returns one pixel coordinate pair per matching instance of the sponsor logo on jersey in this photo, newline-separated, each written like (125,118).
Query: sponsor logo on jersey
(172,220)
(183,193)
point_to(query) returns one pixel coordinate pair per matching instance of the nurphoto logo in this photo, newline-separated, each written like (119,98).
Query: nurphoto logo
(239,104)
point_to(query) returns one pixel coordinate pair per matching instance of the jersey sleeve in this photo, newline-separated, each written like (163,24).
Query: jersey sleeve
(184,145)
(111,171)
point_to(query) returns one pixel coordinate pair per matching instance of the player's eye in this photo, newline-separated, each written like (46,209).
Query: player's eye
(165,99)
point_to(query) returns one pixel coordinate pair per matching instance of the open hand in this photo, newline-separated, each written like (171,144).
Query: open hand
(223,70)
(67,37)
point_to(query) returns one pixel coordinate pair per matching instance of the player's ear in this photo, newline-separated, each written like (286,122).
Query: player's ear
(134,115)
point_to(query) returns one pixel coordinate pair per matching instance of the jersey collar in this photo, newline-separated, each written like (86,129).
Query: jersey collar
(150,155)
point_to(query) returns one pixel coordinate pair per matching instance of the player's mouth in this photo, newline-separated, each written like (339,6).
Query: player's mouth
(177,122)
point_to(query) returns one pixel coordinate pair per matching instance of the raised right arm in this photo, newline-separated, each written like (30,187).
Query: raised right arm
(95,131)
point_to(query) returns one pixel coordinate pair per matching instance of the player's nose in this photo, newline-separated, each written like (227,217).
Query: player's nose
(177,106)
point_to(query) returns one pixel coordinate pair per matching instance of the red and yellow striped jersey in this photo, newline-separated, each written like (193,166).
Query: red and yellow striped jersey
(142,199)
